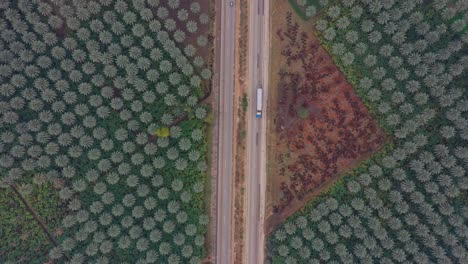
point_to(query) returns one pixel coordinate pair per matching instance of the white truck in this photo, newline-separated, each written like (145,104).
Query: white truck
(259,102)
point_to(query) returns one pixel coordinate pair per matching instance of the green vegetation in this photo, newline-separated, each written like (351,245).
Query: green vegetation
(21,238)
(303,113)
(162,132)
(103,96)
(408,62)
(244,102)
(307,9)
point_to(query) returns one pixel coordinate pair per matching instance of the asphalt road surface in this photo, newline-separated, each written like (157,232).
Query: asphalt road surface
(225,135)
(256,130)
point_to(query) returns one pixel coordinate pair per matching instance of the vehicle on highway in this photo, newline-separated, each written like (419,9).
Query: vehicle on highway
(259,101)
(231,3)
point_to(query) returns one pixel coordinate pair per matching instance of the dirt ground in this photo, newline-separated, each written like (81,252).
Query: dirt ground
(318,128)
(240,89)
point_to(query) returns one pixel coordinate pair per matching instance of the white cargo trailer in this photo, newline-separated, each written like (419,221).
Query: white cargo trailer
(259,102)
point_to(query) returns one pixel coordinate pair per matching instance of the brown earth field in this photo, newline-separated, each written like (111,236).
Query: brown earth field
(318,127)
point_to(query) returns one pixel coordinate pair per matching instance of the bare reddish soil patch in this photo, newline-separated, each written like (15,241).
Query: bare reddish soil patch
(320,126)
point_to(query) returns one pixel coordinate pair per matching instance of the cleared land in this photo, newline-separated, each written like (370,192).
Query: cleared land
(319,128)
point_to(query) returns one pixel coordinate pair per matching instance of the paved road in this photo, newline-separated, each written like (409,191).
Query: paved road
(256,130)
(225,135)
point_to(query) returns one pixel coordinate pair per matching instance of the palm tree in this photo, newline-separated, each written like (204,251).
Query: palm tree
(163,193)
(146,117)
(56,253)
(195,7)
(92,249)
(179,36)
(174,78)
(170,24)
(162,13)
(185,196)
(334,12)
(155,235)
(338,48)
(399,38)
(113,231)
(181,217)
(173,259)
(157,181)
(146,14)
(104,165)
(138,212)
(190,229)
(44,9)
(159,162)
(199,240)
(124,242)
(142,190)
(329,34)
(82,216)
(194,155)
(290,228)
(81,235)
(68,244)
(105,219)
(168,226)
(185,144)
(129,18)
(197,135)
(203,219)
(149,97)
(138,30)
(150,203)
(39,27)
(192,26)
(79,185)
(296,242)
(181,164)
(165,66)
(198,61)
(173,207)
(310,11)
(347,58)
(127,221)
(108,198)
(142,244)
(179,239)
(167,118)
(283,250)
(96,207)
(160,215)
(117,210)
(375,36)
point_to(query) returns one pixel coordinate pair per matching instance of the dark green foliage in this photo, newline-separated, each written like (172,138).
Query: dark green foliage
(21,238)
(244,102)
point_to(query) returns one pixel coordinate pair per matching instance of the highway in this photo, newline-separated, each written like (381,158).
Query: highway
(256,131)
(225,133)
